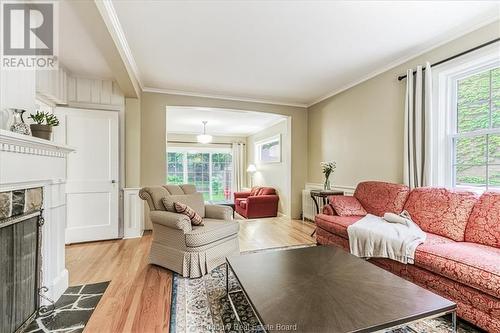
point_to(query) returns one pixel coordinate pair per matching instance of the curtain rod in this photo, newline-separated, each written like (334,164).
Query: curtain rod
(402,77)
(212,143)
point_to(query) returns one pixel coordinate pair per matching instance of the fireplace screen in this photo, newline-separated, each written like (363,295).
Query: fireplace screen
(19,259)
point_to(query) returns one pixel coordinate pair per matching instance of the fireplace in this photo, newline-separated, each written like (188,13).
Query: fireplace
(20,247)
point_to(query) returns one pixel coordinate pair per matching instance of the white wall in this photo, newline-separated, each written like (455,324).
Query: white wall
(275,175)
(17,90)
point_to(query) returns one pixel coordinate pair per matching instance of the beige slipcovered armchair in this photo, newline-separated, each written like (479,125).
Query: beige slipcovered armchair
(191,251)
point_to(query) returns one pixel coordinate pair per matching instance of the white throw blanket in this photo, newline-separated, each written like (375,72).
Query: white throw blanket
(372,236)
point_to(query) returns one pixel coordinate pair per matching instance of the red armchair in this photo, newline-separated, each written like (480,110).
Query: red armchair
(259,202)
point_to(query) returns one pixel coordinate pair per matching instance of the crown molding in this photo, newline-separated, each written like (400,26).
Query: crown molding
(226,97)
(108,13)
(404,59)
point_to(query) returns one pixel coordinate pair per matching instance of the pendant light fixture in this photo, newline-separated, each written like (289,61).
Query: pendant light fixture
(204,138)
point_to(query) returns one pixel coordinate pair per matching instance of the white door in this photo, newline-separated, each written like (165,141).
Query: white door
(92,173)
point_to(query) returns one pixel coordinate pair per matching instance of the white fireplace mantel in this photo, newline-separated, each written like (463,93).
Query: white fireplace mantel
(25,144)
(27,162)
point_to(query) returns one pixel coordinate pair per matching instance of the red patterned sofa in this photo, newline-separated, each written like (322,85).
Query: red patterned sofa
(259,202)
(460,259)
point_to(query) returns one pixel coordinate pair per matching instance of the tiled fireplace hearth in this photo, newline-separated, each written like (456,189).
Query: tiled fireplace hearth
(32,169)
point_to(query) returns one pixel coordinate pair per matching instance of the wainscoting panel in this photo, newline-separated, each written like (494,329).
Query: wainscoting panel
(133,215)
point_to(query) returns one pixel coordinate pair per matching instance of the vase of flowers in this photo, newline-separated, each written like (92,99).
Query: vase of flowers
(44,121)
(328,169)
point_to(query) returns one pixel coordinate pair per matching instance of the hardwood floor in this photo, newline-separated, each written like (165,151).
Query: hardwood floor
(138,297)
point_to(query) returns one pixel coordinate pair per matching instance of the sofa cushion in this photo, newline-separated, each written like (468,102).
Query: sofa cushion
(328,210)
(378,198)
(211,231)
(475,265)
(254,191)
(484,222)
(346,205)
(267,191)
(441,211)
(189,212)
(336,224)
(433,239)
(154,196)
(240,200)
(174,189)
(194,200)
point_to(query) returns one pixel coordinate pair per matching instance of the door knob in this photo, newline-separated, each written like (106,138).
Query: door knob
(113,181)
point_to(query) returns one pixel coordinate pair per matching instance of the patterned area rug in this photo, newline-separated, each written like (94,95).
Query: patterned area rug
(200,305)
(72,311)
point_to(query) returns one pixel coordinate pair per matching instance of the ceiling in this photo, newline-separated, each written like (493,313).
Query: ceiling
(78,50)
(293,52)
(225,122)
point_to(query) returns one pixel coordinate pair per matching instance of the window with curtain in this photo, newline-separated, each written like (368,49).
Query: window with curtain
(476,132)
(209,169)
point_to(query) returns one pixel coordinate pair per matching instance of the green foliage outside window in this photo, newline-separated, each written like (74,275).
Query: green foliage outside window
(477,157)
(210,172)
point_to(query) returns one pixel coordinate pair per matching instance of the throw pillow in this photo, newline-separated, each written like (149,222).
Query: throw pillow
(195,218)
(346,205)
(168,204)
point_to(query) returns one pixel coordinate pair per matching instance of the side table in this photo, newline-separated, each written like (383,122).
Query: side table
(224,203)
(323,194)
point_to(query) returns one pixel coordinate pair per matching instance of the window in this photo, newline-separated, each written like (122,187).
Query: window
(209,169)
(476,135)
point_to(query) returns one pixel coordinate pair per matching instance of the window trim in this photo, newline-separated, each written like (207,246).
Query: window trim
(443,124)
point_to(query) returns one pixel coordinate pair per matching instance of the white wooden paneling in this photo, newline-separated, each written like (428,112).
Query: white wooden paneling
(51,86)
(71,89)
(83,92)
(95,88)
(133,207)
(107,92)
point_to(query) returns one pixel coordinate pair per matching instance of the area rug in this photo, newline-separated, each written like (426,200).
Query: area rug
(200,305)
(72,311)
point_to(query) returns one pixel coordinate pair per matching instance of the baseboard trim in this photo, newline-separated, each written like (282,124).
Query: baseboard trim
(57,287)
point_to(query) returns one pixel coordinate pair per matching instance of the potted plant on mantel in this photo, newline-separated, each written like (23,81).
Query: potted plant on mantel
(44,122)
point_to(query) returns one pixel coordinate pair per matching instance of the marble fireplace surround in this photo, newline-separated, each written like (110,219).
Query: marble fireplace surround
(26,163)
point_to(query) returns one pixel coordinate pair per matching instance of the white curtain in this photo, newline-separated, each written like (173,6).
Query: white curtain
(239,166)
(417,132)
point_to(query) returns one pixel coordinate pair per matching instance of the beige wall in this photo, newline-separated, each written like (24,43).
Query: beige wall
(153,132)
(362,128)
(132,142)
(276,175)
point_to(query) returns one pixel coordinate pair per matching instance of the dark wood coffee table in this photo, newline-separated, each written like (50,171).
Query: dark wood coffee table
(325,289)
